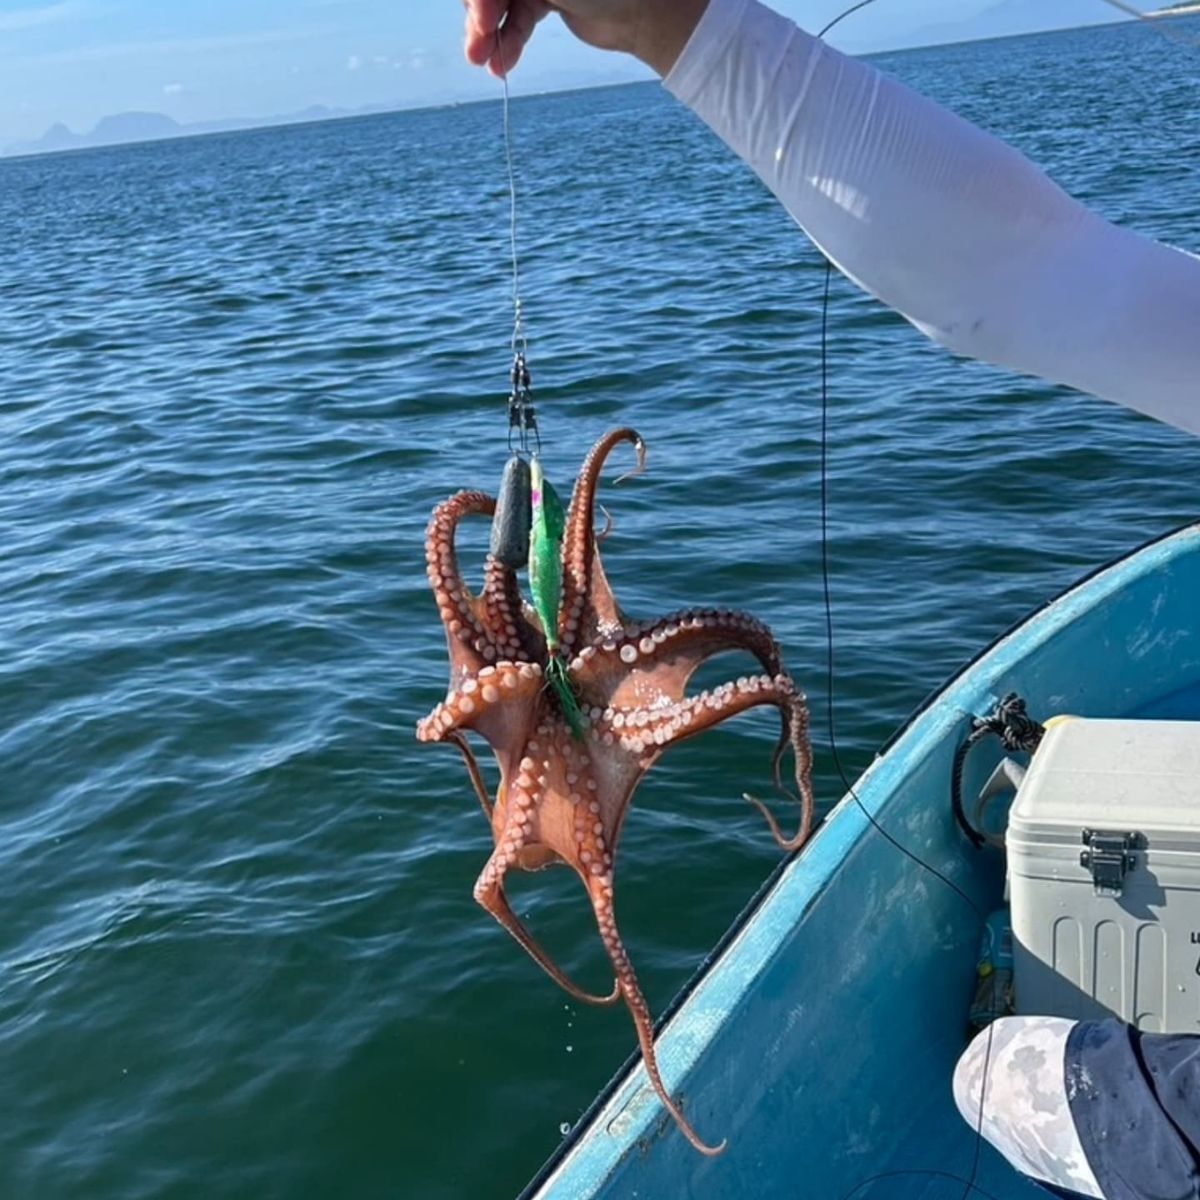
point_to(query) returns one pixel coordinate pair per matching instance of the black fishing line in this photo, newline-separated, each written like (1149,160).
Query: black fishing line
(839,19)
(923,1175)
(829,631)
(830,691)
(969,1183)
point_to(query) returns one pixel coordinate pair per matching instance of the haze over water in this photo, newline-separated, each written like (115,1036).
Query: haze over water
(240,957)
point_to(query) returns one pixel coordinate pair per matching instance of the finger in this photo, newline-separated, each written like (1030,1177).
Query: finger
(483,19)
(523,17)
(487,14)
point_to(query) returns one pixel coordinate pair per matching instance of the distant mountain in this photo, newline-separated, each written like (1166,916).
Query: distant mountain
(124,128)
(111,131)
(133,127)
(57,137)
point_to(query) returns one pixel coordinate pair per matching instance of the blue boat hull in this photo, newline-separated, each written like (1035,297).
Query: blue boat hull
(822,1037)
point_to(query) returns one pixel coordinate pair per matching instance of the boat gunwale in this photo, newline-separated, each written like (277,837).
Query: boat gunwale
(588,1118)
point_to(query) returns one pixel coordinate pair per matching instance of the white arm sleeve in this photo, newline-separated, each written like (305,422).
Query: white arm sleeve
(945,223)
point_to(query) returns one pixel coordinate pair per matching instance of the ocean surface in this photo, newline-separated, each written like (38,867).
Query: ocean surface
(239,954)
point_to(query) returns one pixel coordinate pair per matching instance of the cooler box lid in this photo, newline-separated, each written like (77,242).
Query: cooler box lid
(1113,775)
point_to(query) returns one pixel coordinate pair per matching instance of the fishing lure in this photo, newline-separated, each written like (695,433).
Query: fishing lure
(545,587)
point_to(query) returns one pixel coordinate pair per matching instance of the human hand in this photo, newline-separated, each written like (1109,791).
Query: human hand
(653,30)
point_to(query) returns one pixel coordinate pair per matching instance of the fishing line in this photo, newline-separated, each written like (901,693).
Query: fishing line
(1172,35)
(839,19)
(842,774)
(826,574)
(1156,23)
(519,345)
(522,416)
(968,1182)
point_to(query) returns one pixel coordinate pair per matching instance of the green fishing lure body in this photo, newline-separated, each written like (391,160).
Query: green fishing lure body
(545,588)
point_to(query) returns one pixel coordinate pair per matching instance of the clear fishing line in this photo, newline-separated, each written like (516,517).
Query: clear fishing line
(522,415)
(519,344)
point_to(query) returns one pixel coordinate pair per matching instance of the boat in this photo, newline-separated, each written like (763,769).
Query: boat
(821,1034)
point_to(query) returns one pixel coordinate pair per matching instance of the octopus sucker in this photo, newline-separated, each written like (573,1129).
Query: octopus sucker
(563,794)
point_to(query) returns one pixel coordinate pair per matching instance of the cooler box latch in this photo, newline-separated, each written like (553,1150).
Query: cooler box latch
(1108,857)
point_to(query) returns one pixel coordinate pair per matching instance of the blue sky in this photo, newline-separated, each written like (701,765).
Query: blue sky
(76,61)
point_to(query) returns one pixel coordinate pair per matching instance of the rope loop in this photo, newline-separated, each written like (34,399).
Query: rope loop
(1012,724)
(1018,732)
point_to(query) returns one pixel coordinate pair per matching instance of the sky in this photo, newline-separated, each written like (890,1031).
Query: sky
(76,61)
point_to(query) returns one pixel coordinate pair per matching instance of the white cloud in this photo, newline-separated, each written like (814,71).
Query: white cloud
(172,89)
(357,62)
(33,18)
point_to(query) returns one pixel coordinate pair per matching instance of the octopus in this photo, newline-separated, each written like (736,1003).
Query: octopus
(562,798)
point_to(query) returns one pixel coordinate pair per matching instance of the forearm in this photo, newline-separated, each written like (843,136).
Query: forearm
(945,223)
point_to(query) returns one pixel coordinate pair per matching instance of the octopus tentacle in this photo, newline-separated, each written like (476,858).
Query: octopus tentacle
(795,734)
(488,692)
(653,730)
(493,624)
(489,887)
(587,598)
(609,526)
(454,599)
(579,540)
(660,659)
(473,771)
(489,892)
(513,633)
(691,631)
(600,889)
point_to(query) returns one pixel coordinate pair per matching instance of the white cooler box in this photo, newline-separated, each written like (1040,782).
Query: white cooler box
(1104,870)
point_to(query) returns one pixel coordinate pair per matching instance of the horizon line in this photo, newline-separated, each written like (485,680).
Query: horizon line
(283,121)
